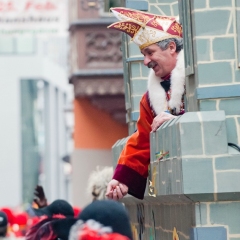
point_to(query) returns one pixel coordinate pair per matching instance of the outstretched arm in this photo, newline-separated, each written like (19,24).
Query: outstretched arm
(132,168)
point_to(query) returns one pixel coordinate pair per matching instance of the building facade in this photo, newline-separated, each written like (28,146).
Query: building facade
(96,73)
(34,96)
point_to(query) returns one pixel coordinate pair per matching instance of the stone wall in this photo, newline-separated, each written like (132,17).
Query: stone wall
(193,186)
(216,61)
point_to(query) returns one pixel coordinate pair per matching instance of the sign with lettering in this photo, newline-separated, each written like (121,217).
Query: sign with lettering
(33,16)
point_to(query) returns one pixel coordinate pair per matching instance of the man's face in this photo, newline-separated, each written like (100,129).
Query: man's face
(161,61)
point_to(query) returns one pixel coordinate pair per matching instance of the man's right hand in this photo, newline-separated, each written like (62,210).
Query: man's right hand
(116,190)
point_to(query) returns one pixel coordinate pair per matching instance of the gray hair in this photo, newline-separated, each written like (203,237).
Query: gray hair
(164,43)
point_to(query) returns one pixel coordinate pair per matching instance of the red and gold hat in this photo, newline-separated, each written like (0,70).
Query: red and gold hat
(145,28)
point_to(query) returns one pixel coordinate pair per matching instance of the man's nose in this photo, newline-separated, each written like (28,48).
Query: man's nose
(146,60)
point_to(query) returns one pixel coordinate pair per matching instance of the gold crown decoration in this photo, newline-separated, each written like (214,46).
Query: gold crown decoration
(145,28)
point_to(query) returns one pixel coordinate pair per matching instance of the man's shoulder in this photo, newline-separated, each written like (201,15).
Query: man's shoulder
(145,103)
(145,96)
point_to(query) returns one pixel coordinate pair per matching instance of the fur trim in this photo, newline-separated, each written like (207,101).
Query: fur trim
(177,83)
(98,181)
(91,224)
(157,95)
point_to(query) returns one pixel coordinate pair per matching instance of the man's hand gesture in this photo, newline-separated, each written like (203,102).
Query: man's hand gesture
(116,190)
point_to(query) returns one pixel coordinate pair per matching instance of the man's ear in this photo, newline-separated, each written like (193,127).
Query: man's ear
(172,46)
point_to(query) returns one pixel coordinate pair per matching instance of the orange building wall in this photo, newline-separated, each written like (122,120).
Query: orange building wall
(95,128)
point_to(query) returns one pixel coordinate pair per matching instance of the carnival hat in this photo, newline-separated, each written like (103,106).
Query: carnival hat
(58,206)
(144,28)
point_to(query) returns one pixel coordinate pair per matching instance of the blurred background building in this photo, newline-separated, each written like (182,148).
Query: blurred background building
(58,60)
(35,122)
(96,72)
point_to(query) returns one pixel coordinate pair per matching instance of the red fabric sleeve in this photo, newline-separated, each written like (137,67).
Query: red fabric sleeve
(132,167)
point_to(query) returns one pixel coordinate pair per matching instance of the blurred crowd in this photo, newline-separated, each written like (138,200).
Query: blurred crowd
(16,224)
(101,219)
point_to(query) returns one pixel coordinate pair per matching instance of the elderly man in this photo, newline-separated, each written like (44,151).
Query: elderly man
(160,41)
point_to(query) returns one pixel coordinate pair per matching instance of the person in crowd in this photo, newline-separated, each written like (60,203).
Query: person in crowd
(53,218)
(51,228)
(12,225)
(57,207)
(20,225)
(100,220)
(3,224)
(16,223)
(98,181)
(40,201)
(160,41)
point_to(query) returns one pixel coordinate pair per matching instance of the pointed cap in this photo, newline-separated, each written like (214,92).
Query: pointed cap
(145,28)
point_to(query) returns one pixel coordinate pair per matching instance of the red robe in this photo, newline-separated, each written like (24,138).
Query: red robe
(132,167)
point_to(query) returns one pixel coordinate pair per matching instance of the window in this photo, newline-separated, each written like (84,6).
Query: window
(105,5)
(17,45)
(111,3)
(33,111)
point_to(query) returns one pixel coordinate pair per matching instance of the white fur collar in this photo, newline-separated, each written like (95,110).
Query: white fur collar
(157,95)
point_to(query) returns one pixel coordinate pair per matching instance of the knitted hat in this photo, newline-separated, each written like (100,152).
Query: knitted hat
(92,230)
(56,207)
(145,28)
(108,213)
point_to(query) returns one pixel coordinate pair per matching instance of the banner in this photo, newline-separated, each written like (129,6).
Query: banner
(33,16)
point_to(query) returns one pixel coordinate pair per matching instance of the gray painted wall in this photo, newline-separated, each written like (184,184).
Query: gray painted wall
(85,161)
